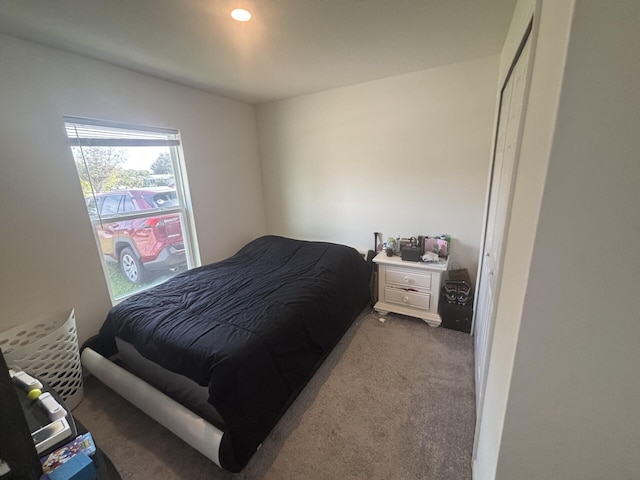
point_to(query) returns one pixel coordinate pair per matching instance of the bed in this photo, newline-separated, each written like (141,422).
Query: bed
(218,353)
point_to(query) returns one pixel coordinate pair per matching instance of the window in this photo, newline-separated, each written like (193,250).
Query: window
(135,190)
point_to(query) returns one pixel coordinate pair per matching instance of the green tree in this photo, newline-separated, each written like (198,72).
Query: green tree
(162,164)
(97,165)
(122,179)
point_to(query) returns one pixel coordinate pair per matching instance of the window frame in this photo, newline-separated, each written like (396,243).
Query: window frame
(183,208)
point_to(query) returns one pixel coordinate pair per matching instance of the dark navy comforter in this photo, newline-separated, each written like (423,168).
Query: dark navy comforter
(253,327)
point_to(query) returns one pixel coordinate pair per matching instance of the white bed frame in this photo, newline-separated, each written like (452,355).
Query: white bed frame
(195,431)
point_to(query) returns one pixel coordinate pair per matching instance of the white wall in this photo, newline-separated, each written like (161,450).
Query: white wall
(50,262)
(572,411)
(405,155)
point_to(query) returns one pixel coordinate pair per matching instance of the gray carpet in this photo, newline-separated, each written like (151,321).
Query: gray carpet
(394,400)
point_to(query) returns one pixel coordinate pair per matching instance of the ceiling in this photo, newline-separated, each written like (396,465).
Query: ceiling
(288,48)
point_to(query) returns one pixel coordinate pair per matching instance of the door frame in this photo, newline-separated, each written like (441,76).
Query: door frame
(527,35)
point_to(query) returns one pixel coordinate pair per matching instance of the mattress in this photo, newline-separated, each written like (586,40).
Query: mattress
(180,388)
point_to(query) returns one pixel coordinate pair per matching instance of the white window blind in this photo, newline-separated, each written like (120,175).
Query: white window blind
(91,133)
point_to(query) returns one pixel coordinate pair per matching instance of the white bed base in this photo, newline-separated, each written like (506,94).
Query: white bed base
(194,430)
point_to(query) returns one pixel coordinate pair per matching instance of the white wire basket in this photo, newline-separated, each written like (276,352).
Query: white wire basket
(48,350)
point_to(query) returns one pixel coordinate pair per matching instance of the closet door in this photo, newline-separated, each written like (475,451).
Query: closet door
(501,186)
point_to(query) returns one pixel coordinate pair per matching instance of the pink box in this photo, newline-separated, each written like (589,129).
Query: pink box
(436,245)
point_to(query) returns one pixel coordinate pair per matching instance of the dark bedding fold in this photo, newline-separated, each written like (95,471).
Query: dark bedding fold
(253,327)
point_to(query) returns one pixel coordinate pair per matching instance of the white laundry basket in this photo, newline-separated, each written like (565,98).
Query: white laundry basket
(48,350)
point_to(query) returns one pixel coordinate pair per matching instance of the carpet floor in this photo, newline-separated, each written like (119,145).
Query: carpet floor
(394,400)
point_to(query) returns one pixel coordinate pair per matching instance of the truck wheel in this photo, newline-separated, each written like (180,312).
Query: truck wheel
(131,267)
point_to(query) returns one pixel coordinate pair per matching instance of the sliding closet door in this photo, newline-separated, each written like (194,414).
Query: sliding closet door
(501,187)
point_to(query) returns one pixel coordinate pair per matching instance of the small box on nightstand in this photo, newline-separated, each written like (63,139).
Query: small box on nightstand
(411,254)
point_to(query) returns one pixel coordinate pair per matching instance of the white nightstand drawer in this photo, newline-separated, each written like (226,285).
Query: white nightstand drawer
(405,277)
(410,299)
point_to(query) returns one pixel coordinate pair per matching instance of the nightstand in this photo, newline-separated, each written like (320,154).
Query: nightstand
(409,288)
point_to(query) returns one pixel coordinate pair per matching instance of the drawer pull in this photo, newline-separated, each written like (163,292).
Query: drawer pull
(408,280)
(405,299)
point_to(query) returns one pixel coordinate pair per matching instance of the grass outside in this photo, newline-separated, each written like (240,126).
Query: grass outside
(121,287)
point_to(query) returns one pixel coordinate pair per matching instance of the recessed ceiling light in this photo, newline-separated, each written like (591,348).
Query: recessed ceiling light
(241,15)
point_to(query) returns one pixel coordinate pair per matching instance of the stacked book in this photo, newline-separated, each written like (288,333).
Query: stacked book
(71,461)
